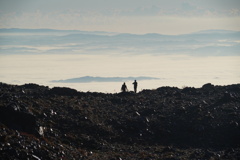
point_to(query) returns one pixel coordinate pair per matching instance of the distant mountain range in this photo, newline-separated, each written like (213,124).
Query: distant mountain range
(49,41)
(87,79)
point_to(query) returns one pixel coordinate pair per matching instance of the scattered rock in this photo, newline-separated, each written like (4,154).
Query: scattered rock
(167,123)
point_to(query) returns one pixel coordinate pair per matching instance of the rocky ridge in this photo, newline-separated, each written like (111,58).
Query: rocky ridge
(38,122)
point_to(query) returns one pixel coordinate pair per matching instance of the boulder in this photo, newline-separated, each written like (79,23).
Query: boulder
(63,91)
(208,86)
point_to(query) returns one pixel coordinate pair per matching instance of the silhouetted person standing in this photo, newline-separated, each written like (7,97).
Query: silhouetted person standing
(135,86)
(124,87)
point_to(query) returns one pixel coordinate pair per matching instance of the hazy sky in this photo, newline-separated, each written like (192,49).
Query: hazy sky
(129,16)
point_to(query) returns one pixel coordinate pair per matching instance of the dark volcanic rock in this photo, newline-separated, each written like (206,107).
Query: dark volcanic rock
(16,119)
(167,123)
(208,86)
(63,91)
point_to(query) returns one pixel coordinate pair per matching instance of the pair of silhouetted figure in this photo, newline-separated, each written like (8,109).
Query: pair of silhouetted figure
(124,87)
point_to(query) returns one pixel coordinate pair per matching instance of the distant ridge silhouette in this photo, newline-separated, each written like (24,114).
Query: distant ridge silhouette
(87,79)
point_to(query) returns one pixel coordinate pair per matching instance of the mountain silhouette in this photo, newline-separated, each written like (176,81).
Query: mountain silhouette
(87,79)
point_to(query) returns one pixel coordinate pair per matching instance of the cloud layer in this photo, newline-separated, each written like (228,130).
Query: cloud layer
(204,43)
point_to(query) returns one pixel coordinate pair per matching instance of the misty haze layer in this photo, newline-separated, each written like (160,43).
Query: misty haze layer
(204,43)
(125,16)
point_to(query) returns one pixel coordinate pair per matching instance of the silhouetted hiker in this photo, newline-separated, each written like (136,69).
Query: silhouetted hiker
(135,86)
(124,87)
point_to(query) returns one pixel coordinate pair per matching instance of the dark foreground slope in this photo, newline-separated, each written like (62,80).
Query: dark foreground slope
(37,122)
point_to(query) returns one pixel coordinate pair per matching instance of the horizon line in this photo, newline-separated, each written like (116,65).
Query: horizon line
(117,33)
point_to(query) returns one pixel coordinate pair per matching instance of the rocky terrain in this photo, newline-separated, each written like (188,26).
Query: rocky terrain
(168,123)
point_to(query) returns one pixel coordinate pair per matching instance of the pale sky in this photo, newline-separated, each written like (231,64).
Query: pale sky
(124,16)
